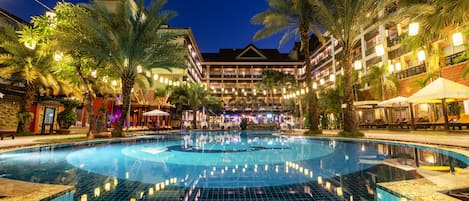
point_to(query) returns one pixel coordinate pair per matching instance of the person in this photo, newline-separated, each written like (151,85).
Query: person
(402,122)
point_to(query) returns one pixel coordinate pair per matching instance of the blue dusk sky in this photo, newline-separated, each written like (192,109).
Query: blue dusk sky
(215,23)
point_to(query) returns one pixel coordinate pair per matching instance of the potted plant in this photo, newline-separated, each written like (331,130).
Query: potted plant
(67,117)
(243,124)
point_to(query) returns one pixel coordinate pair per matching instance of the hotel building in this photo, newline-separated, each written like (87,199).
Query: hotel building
(384,47)
(234,76)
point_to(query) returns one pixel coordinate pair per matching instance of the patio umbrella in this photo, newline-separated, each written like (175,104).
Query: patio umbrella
(441,90)
(365,104)
(156,113)
(397,102)
(393,102)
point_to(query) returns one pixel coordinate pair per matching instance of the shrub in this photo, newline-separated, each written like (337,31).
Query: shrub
(317,132)
(67,117)
(351,135)
(244,124)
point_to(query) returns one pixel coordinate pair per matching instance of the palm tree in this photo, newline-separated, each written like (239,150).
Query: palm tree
(346,21)
(130,38)
(293,17)
(273,81)
(380,82)
(65,32)
(195,97)
(25,61)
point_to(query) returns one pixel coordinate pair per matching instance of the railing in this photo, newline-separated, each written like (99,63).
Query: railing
(257,76)
(324,60)
(215,76)
(229,76)
(451,59)
(370,50)
(393,41)
(414,70)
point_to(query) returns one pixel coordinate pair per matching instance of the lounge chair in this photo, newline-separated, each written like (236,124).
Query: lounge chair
(6,133)
(152,126)
(400,123)
(377,123)
(433,125)
(463,121)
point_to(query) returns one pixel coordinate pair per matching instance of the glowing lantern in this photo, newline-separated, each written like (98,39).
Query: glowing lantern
(94,73)
(413,28)
(398,66)
(457,39)
(391,68)
(58,56)
(379,49)
(421,55)
(139,69)
(357,65)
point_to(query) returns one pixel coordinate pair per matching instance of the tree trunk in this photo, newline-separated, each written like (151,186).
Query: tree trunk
(103,120)
(311,98)
(24,116)
(127,84)
(302,115)
(194,120)
(350,118)
(88,102)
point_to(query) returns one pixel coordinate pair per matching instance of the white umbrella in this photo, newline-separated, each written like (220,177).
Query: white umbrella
(441,90)
(397,101)
(156,113)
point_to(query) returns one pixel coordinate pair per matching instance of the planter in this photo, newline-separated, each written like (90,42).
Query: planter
(62,131)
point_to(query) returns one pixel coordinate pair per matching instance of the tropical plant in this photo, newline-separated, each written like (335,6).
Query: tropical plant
(294,18)
(244,124)
(274,81)
(195,97)
(381,82)
(449,16)
(24,60)
(68,117)
(420,83)
(66,33)
(132,38)
(330,102)
(346,21)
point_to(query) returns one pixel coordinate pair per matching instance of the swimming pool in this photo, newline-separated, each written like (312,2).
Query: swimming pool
(225,166)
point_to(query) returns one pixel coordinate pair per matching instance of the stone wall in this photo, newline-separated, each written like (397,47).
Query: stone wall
(8,111)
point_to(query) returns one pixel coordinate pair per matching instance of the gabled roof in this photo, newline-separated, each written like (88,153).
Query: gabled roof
(249,53)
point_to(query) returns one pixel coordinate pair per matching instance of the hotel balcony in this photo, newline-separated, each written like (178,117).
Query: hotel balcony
(393,41)
(451,59)
(412,71)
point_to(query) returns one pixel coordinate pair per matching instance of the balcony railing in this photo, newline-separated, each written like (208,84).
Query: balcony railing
(369,50)
(215,76)
(451,59)
(408,72)
(393,41)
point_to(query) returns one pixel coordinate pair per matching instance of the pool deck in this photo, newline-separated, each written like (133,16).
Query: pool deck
(428,188)
(13,190)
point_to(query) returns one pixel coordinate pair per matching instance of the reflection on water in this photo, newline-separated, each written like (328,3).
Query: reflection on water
(348,171)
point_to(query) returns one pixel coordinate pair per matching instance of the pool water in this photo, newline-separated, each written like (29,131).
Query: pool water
(225,166)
